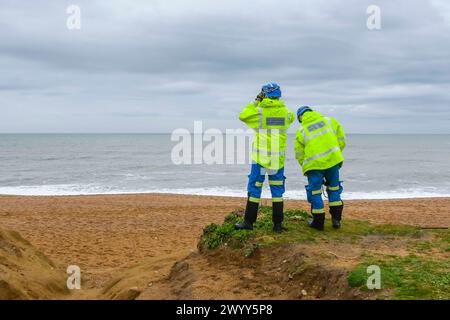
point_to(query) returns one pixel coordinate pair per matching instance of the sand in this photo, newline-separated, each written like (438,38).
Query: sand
(25,273)
(108,234)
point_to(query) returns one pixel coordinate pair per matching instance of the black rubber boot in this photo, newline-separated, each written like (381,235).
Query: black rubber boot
(277,216)
(251,212)
(318,221)
(336,215)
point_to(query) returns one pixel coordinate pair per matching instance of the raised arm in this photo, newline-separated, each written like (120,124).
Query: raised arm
(250,115)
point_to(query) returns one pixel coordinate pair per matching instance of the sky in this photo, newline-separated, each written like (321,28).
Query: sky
(155,66)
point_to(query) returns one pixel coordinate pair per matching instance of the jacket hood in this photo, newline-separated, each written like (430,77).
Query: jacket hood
(271,103)
(311,116)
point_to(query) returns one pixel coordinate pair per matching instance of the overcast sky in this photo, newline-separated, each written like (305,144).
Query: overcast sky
(153,66)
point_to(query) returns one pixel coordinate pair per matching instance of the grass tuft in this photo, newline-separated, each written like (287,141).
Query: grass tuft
(216,235)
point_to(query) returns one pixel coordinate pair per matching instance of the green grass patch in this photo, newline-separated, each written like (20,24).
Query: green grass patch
(215,235)
(443,237)
(437,241)
(409,277)
(297,230)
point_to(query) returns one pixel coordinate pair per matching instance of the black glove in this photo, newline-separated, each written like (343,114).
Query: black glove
(260,96)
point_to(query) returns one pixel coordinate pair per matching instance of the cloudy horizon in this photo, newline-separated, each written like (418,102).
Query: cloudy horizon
(154,66)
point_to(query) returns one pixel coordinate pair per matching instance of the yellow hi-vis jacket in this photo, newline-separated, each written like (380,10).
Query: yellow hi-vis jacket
(319,142)
(270,118)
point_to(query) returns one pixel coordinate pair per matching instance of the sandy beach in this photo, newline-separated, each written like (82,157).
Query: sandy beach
(106,234)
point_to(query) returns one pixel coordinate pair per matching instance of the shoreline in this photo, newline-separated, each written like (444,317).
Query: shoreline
(154,193)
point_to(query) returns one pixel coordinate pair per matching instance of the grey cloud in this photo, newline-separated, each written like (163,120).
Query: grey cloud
(179,61)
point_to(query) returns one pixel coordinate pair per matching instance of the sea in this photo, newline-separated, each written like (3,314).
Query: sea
(375,167)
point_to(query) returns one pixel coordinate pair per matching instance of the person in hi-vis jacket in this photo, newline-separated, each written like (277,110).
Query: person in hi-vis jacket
(318,148)
(270,119)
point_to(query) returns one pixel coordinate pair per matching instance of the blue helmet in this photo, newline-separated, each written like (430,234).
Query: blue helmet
(302,110)
(271,90)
